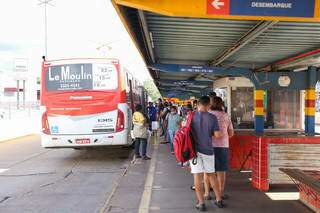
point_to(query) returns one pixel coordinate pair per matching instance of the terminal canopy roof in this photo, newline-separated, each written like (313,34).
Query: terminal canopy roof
(169,36)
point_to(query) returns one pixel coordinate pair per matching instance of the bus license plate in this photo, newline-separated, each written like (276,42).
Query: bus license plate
(82,141)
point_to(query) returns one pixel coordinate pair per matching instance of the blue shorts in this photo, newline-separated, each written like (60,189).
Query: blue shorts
(221,156)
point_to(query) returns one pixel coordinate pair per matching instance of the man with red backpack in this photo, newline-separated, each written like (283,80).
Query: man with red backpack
(203,126)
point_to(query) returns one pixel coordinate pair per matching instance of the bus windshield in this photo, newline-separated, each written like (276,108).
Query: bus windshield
(84,76)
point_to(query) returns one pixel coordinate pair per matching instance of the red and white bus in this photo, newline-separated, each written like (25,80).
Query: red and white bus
(87,102)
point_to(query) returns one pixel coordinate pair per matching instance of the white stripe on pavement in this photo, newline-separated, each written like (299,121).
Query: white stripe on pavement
(146,196)
(3,170)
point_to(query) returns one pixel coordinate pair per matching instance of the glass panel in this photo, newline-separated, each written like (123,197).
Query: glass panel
(222,93)
(242,110)
(283,111)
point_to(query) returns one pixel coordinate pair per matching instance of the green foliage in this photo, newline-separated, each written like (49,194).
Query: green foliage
(152,89)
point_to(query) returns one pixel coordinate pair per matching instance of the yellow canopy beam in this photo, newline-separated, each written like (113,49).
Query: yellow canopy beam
(199,9)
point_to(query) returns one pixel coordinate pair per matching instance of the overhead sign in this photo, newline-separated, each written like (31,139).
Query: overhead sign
(279,8)
(20,68)
(276,10)
(218,7)
(20,65)
(183,83)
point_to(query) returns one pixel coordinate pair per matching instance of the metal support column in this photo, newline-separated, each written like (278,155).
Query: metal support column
(18,94)
(310,101)
(24,93)
(229,90)
(259,111)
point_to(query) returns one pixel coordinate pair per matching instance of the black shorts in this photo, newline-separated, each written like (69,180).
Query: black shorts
(221,159)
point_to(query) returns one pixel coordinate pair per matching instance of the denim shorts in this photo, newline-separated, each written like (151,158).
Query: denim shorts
(221,159)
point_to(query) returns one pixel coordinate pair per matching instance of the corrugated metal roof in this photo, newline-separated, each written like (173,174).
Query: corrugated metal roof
(180,40)
(283,40)
(187,39)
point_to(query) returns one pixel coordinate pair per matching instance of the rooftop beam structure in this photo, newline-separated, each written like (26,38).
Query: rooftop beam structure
(147,34)
(261,80)
(179,90)
(184,82)
(299,62)
(183,87)
(257,30)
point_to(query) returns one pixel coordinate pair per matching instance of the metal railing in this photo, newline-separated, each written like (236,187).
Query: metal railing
(11,110)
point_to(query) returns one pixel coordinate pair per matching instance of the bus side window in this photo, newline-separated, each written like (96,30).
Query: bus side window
(127,79)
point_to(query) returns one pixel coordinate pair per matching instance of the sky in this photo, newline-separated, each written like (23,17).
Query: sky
(76,28)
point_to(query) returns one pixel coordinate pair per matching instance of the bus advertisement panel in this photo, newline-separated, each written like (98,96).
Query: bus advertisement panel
(85,102)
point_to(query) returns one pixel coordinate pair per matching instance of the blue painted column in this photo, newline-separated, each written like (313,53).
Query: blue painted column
(310,101)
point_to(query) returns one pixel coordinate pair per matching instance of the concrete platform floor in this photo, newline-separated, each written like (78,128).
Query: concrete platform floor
(161,186)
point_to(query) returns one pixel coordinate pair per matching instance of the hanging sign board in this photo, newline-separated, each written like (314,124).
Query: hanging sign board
(275,10)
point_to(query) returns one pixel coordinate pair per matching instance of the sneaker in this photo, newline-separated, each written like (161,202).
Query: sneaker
(225,197)
(146,158)
(219,203)
(208,197)
(193,188)
(201,207)
(138,156)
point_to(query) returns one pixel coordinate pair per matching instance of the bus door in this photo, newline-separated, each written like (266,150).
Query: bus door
(131,96)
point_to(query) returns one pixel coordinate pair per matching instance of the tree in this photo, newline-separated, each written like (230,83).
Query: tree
(151,89)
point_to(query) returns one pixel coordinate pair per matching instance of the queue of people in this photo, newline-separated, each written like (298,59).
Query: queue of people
(168,117)
(211,129)
(220,150)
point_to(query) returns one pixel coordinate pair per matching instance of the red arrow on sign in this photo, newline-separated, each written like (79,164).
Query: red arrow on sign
(218,7)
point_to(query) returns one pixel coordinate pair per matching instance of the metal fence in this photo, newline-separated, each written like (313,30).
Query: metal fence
(11,110)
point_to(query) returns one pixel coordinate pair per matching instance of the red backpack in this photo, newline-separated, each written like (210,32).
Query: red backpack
(184,146)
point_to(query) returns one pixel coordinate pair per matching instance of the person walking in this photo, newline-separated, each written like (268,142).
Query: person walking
(221,145)
(140,133)
(152,114)
(207,187)
(174,124)
(203,126)
(159,107)
(163,116)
